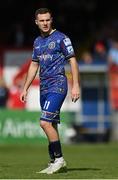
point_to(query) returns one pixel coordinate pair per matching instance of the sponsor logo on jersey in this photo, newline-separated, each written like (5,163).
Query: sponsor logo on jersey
(46,56)
(70,49)
(51,45)
(67,41)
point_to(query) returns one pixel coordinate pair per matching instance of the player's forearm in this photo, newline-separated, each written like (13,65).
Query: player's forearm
(75,72)
(30,75)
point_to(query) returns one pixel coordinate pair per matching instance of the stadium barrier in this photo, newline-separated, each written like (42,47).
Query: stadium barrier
(21,126)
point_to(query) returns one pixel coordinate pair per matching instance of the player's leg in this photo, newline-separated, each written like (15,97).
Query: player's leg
(51,117)
(49,120)
(50,148)
(59,163)
(43,98)
(51,153)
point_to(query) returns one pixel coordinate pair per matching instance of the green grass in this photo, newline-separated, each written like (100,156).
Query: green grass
(85,161)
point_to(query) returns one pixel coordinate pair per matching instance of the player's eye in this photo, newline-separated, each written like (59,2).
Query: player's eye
(47,20)
(41,20)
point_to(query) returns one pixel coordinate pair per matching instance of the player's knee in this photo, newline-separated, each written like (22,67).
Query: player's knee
(44,124)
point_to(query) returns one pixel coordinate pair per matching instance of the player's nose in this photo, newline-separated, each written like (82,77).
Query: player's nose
(45,22)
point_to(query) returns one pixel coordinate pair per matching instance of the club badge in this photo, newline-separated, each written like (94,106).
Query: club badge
(51,45)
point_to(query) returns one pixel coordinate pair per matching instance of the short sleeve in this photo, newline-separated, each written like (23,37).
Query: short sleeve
(34,54)
(67,48)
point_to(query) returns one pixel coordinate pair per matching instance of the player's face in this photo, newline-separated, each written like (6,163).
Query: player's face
(44,22)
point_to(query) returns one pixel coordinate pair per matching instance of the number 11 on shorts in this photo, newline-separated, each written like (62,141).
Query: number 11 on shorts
(46,105)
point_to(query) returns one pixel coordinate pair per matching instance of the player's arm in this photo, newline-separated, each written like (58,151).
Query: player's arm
(75,92)
(32,71)
(68,51)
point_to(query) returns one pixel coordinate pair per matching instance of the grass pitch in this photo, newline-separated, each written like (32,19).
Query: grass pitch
(85,161)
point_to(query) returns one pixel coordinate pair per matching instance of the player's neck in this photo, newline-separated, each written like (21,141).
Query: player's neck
(43,34)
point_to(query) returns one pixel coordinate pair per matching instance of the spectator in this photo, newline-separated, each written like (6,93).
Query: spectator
(3,93)
(113,53)
(87,57)
(100,52)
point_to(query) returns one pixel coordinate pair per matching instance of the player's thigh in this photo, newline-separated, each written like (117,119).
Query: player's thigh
(54,102)
(51,107)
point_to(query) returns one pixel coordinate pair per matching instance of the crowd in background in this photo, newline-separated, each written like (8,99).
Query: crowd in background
(101,53)
(82,20)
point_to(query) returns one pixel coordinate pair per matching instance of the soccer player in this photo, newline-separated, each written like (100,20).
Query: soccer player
(51,51)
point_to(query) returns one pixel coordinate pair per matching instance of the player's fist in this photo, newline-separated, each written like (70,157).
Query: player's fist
(75,93)
(23,96)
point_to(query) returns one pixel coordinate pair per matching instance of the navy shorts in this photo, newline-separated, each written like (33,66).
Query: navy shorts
(51,104)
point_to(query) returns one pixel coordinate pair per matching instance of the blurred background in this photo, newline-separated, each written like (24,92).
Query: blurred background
(93,29)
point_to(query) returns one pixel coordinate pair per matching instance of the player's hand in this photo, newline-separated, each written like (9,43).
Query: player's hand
(75,93)
(23,96)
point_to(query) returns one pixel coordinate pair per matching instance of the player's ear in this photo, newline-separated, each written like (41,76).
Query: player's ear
(36,22)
